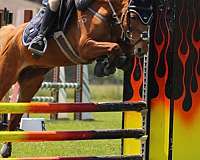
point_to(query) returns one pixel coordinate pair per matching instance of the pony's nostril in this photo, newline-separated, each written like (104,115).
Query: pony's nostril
(139,52)
(139,49)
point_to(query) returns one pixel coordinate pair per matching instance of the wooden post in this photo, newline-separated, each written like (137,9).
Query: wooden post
(78,92)
(28,14)
(55,92)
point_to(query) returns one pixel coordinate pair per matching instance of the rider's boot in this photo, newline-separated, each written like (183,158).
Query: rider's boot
(39,43)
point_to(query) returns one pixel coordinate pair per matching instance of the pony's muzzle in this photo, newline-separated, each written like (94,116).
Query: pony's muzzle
(139,52)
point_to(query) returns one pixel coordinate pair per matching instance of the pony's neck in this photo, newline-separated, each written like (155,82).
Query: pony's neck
(120,6)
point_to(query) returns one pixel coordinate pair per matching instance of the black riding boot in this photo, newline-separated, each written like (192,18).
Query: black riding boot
(38,45)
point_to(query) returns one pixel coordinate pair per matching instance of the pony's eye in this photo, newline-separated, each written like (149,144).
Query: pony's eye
(133,15)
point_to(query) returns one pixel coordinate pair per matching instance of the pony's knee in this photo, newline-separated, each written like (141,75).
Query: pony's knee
(54,4)
(84,48)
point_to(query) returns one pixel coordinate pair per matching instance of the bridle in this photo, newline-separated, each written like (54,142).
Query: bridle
(144,11)
(117,20)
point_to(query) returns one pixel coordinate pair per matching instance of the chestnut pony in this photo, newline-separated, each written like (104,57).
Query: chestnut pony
(91,34)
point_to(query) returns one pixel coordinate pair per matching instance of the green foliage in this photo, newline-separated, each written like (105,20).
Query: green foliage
(70,76)
(116,78)
(106,92)
(103,92)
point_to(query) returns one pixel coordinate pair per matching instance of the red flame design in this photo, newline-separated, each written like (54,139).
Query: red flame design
(161,47)
(136,83)
(196,44)
(184,56)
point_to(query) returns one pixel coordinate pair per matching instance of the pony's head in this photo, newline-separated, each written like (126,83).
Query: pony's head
(134,18)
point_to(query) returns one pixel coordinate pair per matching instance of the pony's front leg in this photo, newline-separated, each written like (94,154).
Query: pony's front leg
(91,49)
(96,50)
(13,123)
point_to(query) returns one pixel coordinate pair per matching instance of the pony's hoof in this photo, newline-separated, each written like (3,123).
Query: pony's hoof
(3,126)
(121,61)
(99,69)
(6,150)
(108,70)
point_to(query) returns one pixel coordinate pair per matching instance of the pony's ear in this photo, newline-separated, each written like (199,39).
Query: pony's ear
(83,4)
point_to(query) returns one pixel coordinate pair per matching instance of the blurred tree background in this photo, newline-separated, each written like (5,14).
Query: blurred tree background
(108,88)
(70,73)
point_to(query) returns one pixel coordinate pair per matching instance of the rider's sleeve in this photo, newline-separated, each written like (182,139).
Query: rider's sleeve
(82,4)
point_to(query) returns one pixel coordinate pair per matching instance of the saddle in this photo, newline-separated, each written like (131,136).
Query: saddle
(67,9)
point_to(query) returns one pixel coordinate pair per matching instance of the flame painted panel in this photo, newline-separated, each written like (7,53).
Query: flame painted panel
(159,85)
(133,83)
(186,100)
(174,83)
(174,87)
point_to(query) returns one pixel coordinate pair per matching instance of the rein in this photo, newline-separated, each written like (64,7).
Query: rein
(116,20)
(125,37)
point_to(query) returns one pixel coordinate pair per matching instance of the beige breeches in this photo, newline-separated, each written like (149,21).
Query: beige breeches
(54,4)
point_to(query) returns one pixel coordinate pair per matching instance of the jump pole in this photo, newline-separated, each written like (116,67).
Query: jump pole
(41,136)
(42,107)
(13,136)
(82,158)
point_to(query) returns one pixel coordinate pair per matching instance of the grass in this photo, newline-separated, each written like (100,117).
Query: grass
(104,93)
(75,148)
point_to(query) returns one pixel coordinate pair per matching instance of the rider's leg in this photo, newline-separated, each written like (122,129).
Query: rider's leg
(37,45)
